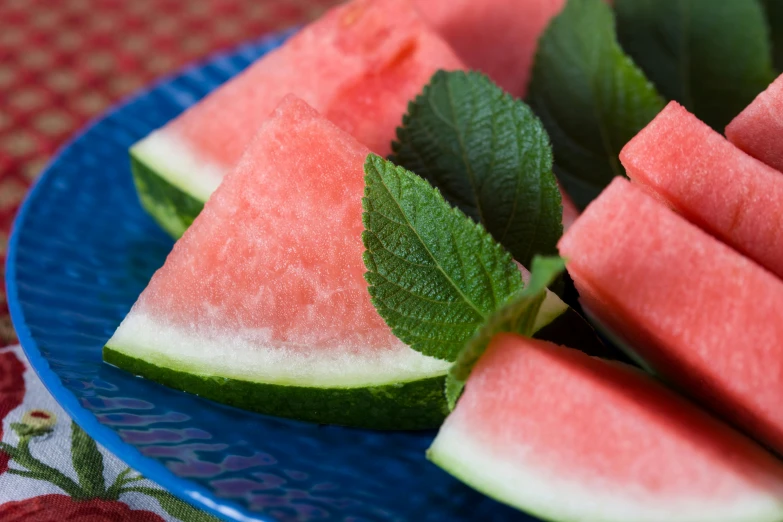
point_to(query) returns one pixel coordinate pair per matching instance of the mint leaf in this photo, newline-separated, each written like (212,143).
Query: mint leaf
(774,11)
(489,155)
(712,57)
(519,315)
(434,274)
(590,96)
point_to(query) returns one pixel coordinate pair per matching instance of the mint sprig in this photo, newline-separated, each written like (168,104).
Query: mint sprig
(489,155)
(434,275)
(713,57)
(590,96)
(518,316)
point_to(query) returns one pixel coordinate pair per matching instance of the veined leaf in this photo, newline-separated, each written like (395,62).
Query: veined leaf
(489,155)
(713,57)
(434,274)
(590,96)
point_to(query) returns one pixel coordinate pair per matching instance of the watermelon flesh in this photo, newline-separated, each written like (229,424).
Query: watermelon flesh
(758,130)
(358,65)
(700,314)
(711,183)
(496,37)
(565,436)
(263,302)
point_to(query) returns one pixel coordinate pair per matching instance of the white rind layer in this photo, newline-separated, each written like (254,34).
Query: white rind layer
(244,355)
(548,495)
(176,162)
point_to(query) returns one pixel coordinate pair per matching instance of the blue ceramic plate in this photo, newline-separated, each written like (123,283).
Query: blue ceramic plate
(81,252)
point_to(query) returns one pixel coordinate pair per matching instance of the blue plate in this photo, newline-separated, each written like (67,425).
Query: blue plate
(82,251)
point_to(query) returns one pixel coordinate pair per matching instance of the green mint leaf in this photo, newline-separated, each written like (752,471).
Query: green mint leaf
(489,155)
(434,274)
(774,11)
(590,96)
(88,463)
(519,315)
(714,57)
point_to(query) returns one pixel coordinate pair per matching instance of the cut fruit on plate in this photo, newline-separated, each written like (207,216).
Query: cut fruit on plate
(496,37)
(566,437)
(711,183)
(700,314)
(758,130)
(358,65)
(263,304)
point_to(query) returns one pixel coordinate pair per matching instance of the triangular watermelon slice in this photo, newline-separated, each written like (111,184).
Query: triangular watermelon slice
(358,65)
(263,304)
(568,437)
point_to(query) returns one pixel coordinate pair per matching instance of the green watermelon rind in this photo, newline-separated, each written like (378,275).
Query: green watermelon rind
(412,405)
(170,206)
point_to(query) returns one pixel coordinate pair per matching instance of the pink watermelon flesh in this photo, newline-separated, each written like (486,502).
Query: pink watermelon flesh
(269,279)
(700,314)
(497,37)
(374,54)
(711,183)
(263,251)
(758,130)
(570,437)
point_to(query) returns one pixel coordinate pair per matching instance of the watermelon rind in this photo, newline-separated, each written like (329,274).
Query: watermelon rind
(413,405)
(542,495)
(172,208)
(171,182)
(381,388)
(402,392)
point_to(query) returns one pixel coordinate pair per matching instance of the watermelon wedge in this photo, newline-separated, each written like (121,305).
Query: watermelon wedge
(711,183)
(758,130)
(496,37)
(263,304)
(358,65)
(567,437)
(700,314)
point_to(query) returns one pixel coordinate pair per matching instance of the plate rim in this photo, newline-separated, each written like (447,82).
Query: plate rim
(192,493)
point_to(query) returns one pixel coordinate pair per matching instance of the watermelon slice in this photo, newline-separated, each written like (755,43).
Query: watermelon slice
(497,37)
(263,304)
(711,183)
(567,437)
(358,65)
(758,130)
(699,313)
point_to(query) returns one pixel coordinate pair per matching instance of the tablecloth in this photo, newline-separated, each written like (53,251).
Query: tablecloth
(62,63)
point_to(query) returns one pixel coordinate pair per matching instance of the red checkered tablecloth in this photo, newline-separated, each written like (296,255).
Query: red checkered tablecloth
(63,62)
